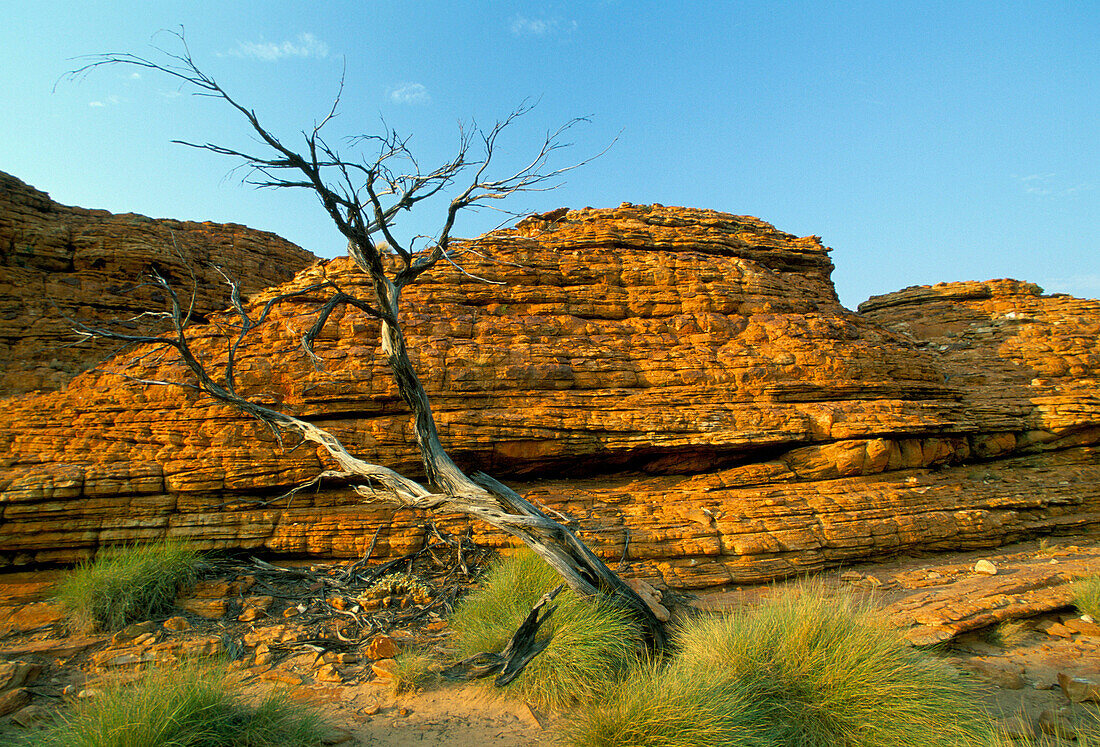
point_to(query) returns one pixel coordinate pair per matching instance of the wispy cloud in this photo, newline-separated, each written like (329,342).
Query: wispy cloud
(1048,184)
(1035,184)
(410,93)
(524,26)
(107,101)
(306,45)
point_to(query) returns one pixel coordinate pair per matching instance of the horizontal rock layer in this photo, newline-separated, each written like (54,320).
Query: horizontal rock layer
(58,261)
(767,430)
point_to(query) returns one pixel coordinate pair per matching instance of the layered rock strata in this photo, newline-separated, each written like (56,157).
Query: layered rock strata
(763,429)
(58,261)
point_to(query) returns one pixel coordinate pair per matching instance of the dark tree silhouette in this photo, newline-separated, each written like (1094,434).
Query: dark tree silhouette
(363,197)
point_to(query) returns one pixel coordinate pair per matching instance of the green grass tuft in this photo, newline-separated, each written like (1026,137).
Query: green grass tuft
(125,584)
(416,670)
(593,643)
(1007,633)
(669,707)
(801,669)
(189,706)
(1085,726)
(1086,596)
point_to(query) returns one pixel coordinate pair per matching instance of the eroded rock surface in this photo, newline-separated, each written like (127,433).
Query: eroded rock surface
(767,430)
(58,261)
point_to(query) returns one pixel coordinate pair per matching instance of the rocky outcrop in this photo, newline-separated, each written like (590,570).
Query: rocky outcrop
(58,261)
(762,428)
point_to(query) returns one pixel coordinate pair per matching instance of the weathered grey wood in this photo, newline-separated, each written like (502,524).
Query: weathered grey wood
(521,649)
(363,197)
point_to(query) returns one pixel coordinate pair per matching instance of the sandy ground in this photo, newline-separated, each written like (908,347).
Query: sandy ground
(362,710)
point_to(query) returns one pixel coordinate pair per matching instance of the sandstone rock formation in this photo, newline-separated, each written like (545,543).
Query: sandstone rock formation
(684,383)
(58,261)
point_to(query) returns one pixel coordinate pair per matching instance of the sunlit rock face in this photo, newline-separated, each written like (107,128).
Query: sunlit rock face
(58,261)
(683,383)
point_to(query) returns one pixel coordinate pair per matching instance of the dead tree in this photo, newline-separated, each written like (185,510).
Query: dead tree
(363,199)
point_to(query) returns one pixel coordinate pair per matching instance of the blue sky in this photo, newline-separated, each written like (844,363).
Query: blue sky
(924,142)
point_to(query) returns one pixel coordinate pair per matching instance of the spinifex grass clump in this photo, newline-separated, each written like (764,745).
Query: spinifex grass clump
(666,706)
(1086,596)
(415,670)
(125,584)
(593,643)
(802,669)
(185,706)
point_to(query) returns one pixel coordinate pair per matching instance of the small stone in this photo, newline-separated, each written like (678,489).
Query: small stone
(130,632)
(145,638)
(291,612)
(177,624)
(851,576)
(985,568)
(1078,689)
(385,670)
(371,710)
(110,658)
(333,657)
(1082,626)
(263,655)
(1042,677)
(261,602)
(30,715)
(381,647)
(283,678)
(1058,630)
(1055,723)
(251,614)
(18,673)
(329,673)
(338,603)
(209,646)
(998,672)
(13,700)
(214,589)
(211,609)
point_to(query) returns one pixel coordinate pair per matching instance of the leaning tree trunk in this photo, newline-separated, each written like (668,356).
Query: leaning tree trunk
(485,498)
(364,198)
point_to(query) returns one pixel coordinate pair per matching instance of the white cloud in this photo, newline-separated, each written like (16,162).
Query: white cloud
(109,101)
(524,26)
(410,93)
(1044,185)
(135,76)
(306,45)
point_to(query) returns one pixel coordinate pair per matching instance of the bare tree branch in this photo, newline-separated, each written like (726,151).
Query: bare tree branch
(364,198)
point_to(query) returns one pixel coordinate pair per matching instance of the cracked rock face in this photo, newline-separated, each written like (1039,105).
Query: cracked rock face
(58,261)
(682,382)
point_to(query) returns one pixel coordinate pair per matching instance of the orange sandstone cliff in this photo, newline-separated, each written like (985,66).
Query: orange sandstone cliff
(58,261)
(683,383)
